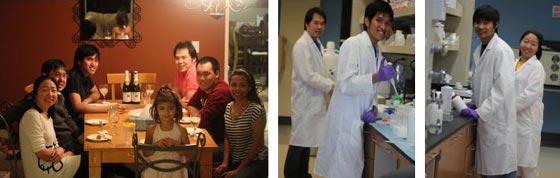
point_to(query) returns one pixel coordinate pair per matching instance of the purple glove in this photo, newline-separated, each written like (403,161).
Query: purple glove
(368,116)
(385,72)
(471,105)
(468,112)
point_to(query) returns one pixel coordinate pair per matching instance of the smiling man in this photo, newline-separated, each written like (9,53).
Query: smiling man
(493,99)
(310,87)
(210,101)
(359,71)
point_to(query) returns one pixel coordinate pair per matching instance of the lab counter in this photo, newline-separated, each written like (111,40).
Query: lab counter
(384,151)
(451,153)
(449,128)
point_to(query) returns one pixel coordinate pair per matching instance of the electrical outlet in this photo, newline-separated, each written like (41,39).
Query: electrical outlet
(556,11)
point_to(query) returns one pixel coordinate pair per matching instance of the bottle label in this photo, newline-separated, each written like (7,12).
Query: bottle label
(127,98)
(136,97)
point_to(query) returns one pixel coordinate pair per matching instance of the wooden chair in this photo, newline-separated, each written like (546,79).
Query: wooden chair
(236,52)
(13,158)
(191,163)
(118,78)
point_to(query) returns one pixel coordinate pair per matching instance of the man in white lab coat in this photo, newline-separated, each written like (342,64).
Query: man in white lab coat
(359,71)
(494,95)
(310,87)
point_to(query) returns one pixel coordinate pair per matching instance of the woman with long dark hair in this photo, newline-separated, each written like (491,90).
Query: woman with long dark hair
(245,154)
(529,85)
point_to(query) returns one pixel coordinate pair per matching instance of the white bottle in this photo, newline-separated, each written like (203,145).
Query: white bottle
(330,57)
(432,118)
(446,106)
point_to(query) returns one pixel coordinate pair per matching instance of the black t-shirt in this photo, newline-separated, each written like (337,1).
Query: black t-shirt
(77,83)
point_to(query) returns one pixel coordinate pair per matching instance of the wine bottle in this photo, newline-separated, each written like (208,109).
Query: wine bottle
(135,89)
(127,95)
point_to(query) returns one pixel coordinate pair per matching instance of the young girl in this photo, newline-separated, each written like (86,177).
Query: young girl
(245,154)
(167,112)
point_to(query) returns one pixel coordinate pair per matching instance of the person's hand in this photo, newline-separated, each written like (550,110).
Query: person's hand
(368,116)
(184,102)
(161,143)
(171,142)
(230,174)
(220,169)
(122,108)
(471,105)
(385,72)
(57,154)
(468,112)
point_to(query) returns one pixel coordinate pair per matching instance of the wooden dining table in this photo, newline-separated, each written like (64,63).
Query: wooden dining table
(120,150)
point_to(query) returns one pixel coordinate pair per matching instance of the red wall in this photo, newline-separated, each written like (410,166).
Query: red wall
(33,31)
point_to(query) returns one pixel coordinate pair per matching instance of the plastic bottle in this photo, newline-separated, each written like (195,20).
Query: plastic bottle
(330,57)
(446,94)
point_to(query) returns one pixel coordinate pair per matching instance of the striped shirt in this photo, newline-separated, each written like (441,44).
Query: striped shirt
(240,132)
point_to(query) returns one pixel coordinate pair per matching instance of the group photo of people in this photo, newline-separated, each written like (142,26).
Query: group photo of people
(351,89)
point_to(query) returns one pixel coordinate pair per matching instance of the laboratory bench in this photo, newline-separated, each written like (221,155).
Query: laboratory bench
(451,153)
(384,151)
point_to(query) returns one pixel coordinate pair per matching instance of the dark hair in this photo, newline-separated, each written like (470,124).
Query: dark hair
(50,65)
(252,95)
(310,13)
(87,29)
(487,13)
(539,38)
(186,45)
(166,94)
(377,7)
(209,59)
(83,51)
(38,81)
(122,18)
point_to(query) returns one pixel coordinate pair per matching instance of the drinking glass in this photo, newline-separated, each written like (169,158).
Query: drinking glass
(113,111)
(103,89)
(149,91)
(195,121)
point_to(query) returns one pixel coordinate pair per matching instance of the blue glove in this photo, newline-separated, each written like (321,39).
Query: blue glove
(385,72)
(471,105)
(468,112)
(368,116)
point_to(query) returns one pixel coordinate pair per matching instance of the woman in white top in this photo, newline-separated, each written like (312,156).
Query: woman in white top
(41,156)
(529,85)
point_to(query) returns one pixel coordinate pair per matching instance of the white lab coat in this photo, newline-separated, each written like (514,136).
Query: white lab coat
(493,93)
(529,84)
(342,154)
(310,86)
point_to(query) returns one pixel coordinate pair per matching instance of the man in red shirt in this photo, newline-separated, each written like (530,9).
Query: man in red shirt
(210,101)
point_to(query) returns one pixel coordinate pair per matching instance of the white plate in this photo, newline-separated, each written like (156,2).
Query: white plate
(185,120)
(192,130)
(96,121)
(93,137)
(135,113)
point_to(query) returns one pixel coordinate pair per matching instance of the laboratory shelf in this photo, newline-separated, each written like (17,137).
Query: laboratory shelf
(457,11)
(408,50)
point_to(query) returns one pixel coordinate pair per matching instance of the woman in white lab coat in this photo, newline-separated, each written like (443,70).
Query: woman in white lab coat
(529,84)
(359,70)
(493,76)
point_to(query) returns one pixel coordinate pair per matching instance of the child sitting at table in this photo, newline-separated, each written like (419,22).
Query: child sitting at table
(167,132)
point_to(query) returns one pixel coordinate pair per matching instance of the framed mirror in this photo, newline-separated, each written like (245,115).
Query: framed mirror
(107,23)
